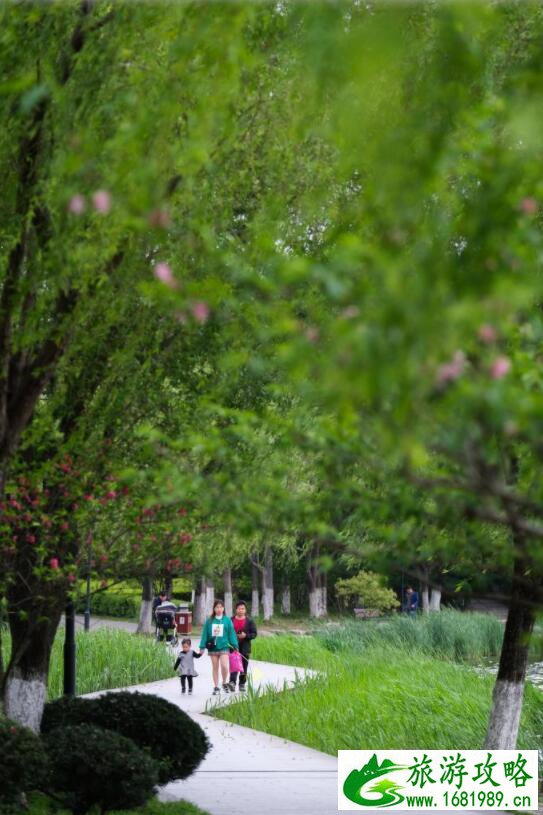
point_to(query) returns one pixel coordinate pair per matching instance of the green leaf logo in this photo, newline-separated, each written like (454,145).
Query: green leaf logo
(385,792)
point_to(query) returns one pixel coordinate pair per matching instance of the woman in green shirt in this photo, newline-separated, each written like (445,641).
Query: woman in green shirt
(218,636)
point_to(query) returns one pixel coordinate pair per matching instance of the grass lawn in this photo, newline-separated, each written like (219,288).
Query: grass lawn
(379,689)
(42,805)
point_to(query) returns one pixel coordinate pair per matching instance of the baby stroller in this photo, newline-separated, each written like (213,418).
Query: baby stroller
(165,623)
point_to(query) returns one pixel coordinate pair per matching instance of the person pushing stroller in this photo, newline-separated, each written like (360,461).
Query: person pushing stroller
(185,664)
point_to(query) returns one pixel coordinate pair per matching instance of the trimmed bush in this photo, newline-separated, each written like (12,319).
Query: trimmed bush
(172,738)
(111,605)
(90,765)
(23,762)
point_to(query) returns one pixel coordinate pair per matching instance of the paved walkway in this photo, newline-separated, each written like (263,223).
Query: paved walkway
(249,771)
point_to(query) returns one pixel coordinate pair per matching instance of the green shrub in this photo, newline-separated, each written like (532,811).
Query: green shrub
(92,766)
(173,739)
(368,590)
(23,762)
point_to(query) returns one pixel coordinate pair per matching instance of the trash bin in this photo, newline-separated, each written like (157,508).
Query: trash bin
(183,620)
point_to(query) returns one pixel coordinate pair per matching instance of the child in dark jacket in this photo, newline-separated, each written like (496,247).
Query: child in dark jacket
(185,663)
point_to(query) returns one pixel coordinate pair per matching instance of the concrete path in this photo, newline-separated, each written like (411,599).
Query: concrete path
(249,771)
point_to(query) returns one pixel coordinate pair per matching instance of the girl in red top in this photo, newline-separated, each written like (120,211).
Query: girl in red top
(245,631)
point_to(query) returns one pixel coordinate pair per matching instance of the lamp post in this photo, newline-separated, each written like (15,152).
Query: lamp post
(87,613)
(69,649)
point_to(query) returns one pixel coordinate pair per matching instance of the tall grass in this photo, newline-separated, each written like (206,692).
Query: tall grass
(108,658)
(386,699)
(465,638)
(451,635)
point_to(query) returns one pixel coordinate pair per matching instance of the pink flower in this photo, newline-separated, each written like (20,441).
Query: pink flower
(101,200)
(200,311)
(451,371)
(500,368)
(529,206)
(72,578)
(30,538)
(487,333)
(65,526)
(111,494)
(53,563)
(77,205)
(163,272)
(88,497)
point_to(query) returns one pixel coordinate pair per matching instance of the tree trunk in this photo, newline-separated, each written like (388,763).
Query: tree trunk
(209,597)
(255,596)
(145,622)
(285,599)
(267,584)
(324,595)
(508,691)
(25,681)
(317,589)
(228,601)
(435,599)
(425,596)
(168,586)
(200,602)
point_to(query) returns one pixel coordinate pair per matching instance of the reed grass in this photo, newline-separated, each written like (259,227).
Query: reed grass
(108,658)
(461,637)
(386,699)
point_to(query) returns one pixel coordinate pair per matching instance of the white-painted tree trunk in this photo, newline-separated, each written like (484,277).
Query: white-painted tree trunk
(317,602)
(425,598)
(435,599)
(267,584)
(318,594)
(285,600)
(24,698)
(210,597)
(228,599)
(324,600)
(145,622)
(199,602)
(508,694)
(25,681)
(255,593)
(505,715)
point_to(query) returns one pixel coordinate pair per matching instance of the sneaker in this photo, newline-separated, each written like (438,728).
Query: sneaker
(190,690)
(216,691)
(232,687)
(183,690)
(226,687)
(242,688)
